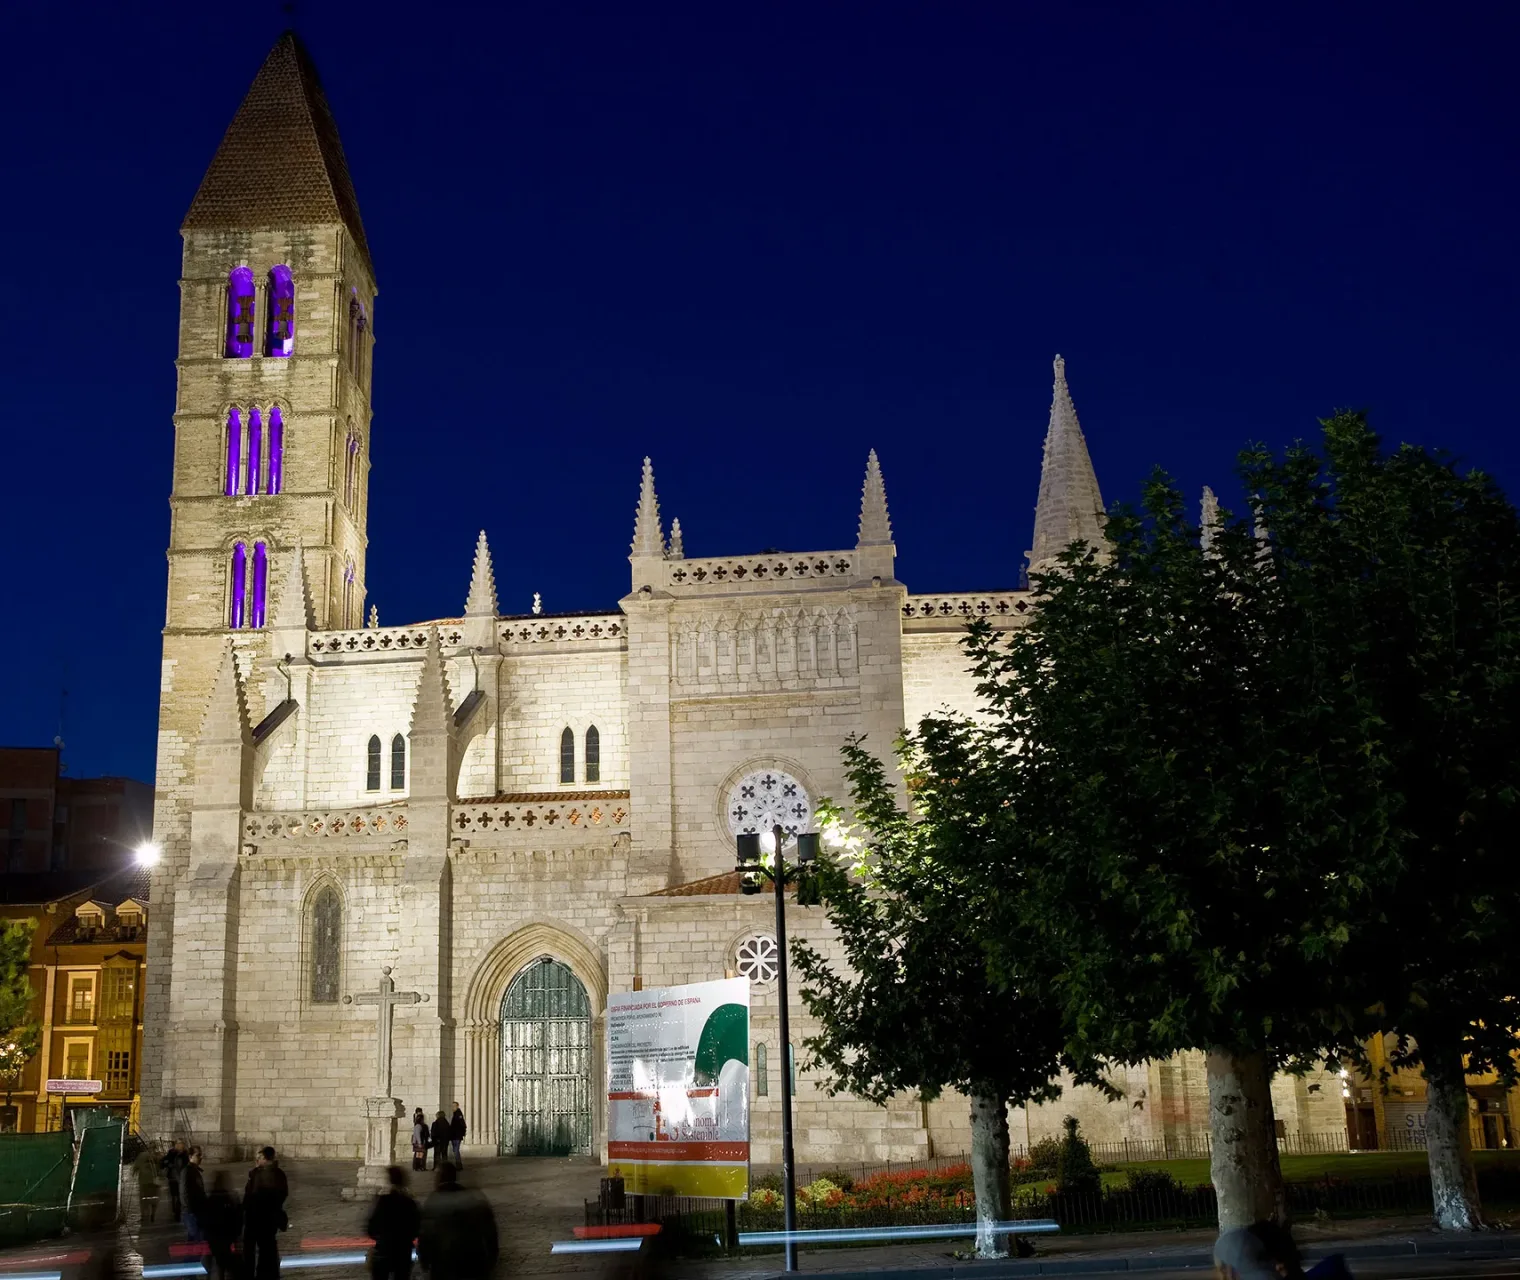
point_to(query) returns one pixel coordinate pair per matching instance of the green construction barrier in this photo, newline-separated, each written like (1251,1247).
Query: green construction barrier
(97,1176)
(36,1170)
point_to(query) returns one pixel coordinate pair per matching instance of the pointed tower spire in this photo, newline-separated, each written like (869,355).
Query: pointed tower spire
(875,525)
(280,163)
(1070,506)
(482,598)
(226,718)
(293,613)
(648,535)
(1208,519)
(677,549)
(431,709)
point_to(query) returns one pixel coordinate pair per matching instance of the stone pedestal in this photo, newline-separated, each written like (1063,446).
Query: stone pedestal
(380,1116)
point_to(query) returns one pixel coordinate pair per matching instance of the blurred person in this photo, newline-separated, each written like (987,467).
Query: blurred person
(457,1130)
(440,1141)
(1262,1251)
(419,1141)
(173,1165)
(457,1238)
(221,1224)
(146,1165)
(193,1195)
(393,1225)
(264,1216)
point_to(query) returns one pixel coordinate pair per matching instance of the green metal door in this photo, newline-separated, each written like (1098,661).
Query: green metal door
(545,1063)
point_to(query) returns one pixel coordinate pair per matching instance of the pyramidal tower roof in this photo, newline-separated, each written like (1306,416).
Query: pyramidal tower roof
(281,162)
(1070,506)
(875,528)
(648,533)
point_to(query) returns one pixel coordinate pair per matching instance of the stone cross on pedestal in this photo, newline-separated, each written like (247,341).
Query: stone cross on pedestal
(381,1111)
(385,999)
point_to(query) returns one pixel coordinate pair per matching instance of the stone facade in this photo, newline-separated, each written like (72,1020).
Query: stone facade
(420,771)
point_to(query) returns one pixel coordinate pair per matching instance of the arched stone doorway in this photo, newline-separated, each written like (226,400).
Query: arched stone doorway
(546,1068)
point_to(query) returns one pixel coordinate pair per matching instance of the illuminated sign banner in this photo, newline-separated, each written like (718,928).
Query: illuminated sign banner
(678,1089)
(72,1086)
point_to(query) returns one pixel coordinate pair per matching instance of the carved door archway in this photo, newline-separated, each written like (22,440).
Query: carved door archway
(546,1067)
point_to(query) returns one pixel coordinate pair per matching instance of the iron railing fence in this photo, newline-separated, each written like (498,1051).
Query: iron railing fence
(692,1226)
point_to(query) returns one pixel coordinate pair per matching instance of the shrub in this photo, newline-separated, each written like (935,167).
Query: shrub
(1044,1159)
(766,1182)
(1152,1180)
(841,1179)
(1077,1172)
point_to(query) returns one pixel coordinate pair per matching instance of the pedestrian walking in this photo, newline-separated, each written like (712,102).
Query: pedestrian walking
(440,1139)
(264,1216)
(457,1239)
(146,1165)
(393,1225)
(457,1130)
(419,1141)
(173,1165)
(221,1223)
(193,1196)
(1262,1251)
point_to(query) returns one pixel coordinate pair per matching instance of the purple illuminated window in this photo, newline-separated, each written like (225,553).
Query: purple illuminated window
(350,469)
(240,313)
(234,450)
(260,584)
(253,473)
(348,593)
(281,338)
(276,450)
(239,585)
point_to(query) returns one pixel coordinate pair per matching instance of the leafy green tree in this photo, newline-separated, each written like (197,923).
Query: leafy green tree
(1208,814)
(19,1032)
(1076,1173)
(1411,568)
(908,1003)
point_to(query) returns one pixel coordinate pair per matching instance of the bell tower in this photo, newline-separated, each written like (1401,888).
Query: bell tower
(271,432)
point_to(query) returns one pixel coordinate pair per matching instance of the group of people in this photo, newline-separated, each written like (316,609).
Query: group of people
(217,1216)
(454,1230)
(443,1137)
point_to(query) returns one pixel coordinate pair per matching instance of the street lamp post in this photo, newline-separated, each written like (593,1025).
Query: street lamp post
(750,872)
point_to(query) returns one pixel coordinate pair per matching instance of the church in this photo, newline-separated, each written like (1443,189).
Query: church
(487,823)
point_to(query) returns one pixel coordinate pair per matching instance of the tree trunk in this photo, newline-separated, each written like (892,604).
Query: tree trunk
(1243,1131)
(989,1170)
(1448,1141)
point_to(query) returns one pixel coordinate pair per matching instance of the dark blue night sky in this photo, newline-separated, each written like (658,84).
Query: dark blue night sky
(752,241)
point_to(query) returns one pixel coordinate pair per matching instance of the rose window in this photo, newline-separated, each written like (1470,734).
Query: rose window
(769,798)
(756,958)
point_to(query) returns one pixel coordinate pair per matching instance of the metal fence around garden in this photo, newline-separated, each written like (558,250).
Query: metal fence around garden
(690,1226)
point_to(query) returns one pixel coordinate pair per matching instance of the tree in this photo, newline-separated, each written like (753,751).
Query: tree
(19,1033)
(1413,569)
(913,1006)
(1209,812)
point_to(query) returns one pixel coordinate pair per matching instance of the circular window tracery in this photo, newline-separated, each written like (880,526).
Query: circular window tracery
(756,958)
(768,798)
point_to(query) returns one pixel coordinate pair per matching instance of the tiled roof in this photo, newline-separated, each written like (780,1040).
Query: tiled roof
(281,162)
(728,882)
(40,887)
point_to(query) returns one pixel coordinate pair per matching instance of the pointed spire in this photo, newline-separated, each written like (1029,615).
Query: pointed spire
(281,162)
(1208,519)
(1070,506)
(432,712)
(226,718)
(677,548)
(648,535)
(875,525)
(374,616)
(481,602)
(293,613)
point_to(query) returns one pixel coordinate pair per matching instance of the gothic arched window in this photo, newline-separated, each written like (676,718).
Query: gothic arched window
(281,338)
(234,450)
(276,451)
(239,591)
(372,764)
(260,585)
(593,755)
(398,763)
(254,471)
(326,928)
(567,755)
(239,313)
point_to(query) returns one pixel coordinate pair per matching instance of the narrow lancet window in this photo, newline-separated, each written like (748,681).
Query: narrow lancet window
(348,593)
(239,313)
(234,450)
(398,763)
(281,338)
(260,584)
(276,450)
(567,756)
(372,764)
(253,471)
(326,929)
(593,755)
(239,585)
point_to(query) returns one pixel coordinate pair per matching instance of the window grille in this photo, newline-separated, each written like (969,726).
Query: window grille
(593,755)
(372,765)
(567,755)
(398,763)
(326,922)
